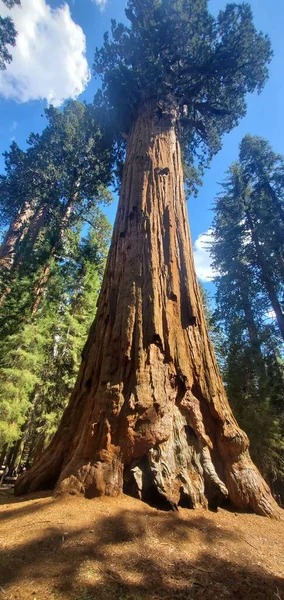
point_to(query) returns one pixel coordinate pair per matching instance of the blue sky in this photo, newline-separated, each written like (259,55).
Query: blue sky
(56,45)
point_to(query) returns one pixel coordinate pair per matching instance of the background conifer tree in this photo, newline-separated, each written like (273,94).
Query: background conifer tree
(8,35)
(253,369)
(50,198)
(39,362)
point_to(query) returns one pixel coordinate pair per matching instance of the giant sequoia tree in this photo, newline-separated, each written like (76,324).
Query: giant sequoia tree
(149,414)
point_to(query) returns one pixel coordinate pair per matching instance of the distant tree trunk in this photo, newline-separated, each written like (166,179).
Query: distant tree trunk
(41,285)
(265,274)
(13,236)
(149,414)
(27,226)
(13,455)
(251,326)
(252,329)
(37,222)
(3,454)
(278,207)
(9,245)
(46,269)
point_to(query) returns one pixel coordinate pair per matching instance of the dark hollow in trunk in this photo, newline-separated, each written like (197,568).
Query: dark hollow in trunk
(149,414)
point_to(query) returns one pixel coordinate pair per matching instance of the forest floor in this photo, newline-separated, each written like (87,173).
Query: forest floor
(122,549)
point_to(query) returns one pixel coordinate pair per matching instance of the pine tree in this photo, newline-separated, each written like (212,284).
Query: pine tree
(263,200)
(148,413)
(46,190)
(40,362)
(48,193)
(253,370)
(8,35)
(63,171)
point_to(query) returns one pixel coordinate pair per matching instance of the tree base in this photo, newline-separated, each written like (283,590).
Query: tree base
(176,472)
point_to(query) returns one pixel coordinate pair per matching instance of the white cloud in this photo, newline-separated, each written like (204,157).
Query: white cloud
(100,3)
(202,256)
(49,59)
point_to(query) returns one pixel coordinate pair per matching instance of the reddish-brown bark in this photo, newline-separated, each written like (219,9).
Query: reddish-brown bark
(45,273)
(149,413)
(27,225)
(13,236)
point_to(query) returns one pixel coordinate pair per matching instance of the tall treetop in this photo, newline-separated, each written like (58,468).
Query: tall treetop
(261,164)
(174,52)
(8,35)
(72,157)
(249,230)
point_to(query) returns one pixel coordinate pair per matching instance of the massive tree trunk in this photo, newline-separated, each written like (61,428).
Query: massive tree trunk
(149,414)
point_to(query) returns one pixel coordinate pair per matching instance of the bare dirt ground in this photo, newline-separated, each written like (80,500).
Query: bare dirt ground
(122,549)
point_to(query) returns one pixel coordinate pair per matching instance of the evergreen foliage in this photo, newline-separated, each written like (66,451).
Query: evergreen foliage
(8,35)
(52,260)
(248,222)
(39,363)
(215,330)
(48,189)
(175,56)
(69,162)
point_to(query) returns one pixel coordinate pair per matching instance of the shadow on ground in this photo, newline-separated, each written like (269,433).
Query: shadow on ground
(133,555)
(29,507)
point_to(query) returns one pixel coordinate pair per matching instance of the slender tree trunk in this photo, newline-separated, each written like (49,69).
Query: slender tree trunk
(26,226)
(267,280)
(279,234)
(46,269)
(3,454)
(41,284)
(28,425)
(13,236)
(37,222)
(149,414)
(278,207)
(252,330)
(251,326)
(9,245)
(13,454)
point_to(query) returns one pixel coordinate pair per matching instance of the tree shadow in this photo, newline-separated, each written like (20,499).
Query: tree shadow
(10,514)
(136,555)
